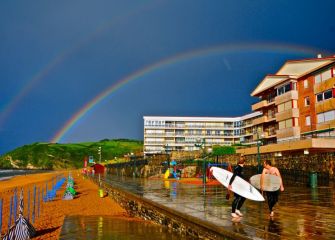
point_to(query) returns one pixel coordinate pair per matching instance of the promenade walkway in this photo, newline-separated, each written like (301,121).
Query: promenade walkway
(302,212)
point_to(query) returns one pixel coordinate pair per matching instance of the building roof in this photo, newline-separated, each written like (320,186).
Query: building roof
(292,69)
(203,119)
(300,68)
(268,82)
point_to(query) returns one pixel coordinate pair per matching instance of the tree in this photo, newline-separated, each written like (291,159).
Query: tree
(223,150)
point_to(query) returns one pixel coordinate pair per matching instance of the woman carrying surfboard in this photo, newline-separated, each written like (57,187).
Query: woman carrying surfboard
(272,196)
(238,200)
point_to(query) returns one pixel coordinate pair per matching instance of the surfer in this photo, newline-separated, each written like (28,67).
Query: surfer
(238,200)
(271,196)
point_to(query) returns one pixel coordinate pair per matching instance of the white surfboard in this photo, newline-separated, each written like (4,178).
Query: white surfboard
(239,185)
(271,182)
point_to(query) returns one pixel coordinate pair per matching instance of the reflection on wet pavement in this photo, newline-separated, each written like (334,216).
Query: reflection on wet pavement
(301,213)
(104,227)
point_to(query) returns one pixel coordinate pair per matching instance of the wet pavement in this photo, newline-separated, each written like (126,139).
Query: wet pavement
(106,227)
(301,213)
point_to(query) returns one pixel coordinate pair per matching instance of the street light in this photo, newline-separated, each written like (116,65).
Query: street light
(167,151)
(201,145)
(99,152)
(258,152)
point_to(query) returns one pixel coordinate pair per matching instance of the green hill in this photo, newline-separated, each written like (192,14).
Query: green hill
(71,155)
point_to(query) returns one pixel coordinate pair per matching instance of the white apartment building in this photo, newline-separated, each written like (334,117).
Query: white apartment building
(165,134)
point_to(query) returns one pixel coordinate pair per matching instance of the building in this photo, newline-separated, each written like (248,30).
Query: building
(165,134)
(295,113)
(298,108)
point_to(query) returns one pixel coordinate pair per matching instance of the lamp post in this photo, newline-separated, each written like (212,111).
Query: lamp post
(167,151)
(99,152)
(258,152)
(201,145)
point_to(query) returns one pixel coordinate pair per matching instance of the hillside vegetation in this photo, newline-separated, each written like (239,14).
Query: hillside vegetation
(71,155)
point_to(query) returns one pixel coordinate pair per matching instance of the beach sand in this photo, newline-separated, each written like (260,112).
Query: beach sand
(49,223)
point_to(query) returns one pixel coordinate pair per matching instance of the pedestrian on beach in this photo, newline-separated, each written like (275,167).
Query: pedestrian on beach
(238,200)
(272,197)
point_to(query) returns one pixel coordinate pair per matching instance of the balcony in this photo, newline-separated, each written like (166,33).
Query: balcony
(324,144)
(324,85)
(293,94)
(325,105)
(259,120)
(325,125)
(270,134)
(287,114)
(260,136)
(271,117)
(288,132)
(258,105)
(263,119)
(261,104)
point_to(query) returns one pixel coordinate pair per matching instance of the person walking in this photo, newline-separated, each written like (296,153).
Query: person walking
(272,197)
(238,200)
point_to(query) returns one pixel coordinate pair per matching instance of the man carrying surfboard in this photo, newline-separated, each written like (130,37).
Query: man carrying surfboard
(272,196)
(238,200)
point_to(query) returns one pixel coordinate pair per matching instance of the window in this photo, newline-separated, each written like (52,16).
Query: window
(307,102)
(317,78)
(323,76)
(288,105)
(305,83)
(281,124)
(319,97)
(281,107)
(326,75)
(308,120)
(328,94)
(324,95)
(285,124)
(288,123)
(285,88)
(330,115)
(321,118)
(326,116)
(285,106)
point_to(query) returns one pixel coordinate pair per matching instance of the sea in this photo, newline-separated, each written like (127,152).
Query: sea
(6,174)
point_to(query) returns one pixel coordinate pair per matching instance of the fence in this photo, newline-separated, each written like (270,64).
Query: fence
(32,201)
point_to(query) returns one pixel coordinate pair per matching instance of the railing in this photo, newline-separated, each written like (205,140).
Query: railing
(289,140)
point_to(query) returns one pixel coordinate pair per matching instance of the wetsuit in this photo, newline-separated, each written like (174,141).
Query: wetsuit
(272,197)
(238,200)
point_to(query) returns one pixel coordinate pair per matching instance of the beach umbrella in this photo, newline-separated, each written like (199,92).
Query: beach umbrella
(71,190)
(22,228)
(67,196)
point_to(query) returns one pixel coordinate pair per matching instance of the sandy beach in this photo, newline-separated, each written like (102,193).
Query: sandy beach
(48,224)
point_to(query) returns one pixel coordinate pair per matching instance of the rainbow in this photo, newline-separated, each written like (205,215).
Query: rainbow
(214,50)
(11,105)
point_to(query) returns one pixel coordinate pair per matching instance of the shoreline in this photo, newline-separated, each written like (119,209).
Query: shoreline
(52,213)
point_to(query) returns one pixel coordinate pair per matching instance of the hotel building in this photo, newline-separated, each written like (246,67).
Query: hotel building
(295,113)
(298,107)
(164,134)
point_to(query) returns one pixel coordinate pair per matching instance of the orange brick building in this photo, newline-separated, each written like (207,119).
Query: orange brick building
(298,108)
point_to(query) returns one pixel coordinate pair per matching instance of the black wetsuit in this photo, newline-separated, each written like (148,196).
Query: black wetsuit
(272,199)
(238,200)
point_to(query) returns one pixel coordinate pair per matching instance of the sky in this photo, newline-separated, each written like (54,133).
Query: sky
(79,70)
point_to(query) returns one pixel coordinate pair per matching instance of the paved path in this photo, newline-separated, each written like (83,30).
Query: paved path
(302,213)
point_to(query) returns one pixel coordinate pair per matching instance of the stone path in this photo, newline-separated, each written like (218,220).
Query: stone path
(302,212)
